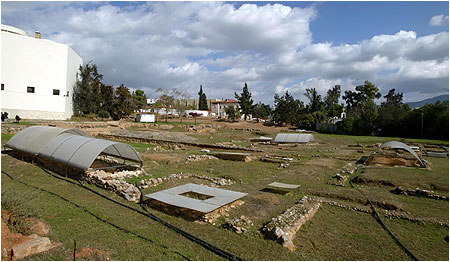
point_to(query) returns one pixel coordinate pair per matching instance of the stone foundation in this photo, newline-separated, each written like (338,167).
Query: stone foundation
(216,181)
(419,193)
(105,180)
(190,214)
(284,227)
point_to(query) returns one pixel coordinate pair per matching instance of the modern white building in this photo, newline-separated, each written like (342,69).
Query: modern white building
(37,76)
(219,106)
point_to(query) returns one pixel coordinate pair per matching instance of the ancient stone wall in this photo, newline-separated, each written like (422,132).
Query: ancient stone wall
(216,181)
(284,227)
(111,182)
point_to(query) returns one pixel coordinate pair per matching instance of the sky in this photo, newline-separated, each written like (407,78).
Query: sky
(272,46)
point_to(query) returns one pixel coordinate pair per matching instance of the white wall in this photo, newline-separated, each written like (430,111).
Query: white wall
(43,64)
(73,64)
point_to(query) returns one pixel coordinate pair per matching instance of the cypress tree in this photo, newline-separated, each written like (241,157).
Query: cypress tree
(202,102)
(245,101)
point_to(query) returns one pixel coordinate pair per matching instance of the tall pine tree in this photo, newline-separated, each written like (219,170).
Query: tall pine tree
(202,102)
(245,101)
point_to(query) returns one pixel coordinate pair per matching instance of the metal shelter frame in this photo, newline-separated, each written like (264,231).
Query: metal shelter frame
(71,147)
(400,145)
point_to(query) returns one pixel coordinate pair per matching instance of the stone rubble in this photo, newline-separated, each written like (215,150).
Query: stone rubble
(222,211)
(239,225)
(419,193)
(195,158)
(340,179)
(117,175)
(113,182)
(34,245)
(216,181)
(284,227)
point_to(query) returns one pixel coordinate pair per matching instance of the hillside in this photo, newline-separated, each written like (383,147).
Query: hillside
(428,101)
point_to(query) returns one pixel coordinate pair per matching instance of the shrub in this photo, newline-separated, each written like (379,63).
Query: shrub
(103,114)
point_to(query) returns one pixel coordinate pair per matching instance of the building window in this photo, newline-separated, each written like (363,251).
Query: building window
(67,93)
(3,87)
(56,92)
(30,89)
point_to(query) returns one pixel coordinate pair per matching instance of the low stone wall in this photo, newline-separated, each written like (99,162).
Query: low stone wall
(216,181)
(419,193)
(284,227)
(105,180)
(195,158)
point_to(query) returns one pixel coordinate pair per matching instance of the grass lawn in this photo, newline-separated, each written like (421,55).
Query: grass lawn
(332,234)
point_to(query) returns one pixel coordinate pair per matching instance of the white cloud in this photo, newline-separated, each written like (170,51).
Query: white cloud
(184,44)
(438,20)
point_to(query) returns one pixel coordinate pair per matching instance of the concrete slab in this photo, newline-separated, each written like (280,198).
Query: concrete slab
(220,197)
(231,156)
(437,154)
(285,186)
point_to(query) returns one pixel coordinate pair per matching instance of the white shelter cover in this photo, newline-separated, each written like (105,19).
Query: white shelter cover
(34,138)
(294,138)
(400,145)
(81,152)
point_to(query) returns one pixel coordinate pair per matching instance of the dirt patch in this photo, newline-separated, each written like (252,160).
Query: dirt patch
(162,158)
(375,182)
(15,240)
(266,199)
(322,162)
(9,240)
(88,253)
(393,161)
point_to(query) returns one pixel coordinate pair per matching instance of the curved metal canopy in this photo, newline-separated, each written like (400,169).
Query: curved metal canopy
(400,145)
(72,147)
(34,138)
(80,152)
(294,138)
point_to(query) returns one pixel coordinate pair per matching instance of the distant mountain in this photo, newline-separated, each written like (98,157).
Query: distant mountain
(432,100)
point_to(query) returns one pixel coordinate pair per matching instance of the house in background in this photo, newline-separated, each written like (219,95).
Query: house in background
(37,76)
(219,106)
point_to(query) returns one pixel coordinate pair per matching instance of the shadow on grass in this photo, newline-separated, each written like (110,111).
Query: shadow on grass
(275,191)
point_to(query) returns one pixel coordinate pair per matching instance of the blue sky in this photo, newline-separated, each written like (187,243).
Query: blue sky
(273,46)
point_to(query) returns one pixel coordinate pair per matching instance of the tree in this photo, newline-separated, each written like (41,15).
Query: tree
(202,101)
(315,100)
(106,99)
(232,113)
(86,91)
(392,99)
(180,101)
(368,91)
(245,101)
(332,106)
(123,103)
(287,110)
(165,100)
(139,99)
(392,115)
(261,110)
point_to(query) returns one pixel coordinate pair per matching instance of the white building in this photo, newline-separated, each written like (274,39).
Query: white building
(219,106)
(37,76)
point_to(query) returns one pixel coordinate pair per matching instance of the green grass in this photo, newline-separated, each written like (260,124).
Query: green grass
(333,234)
(6,137)
(139,146)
